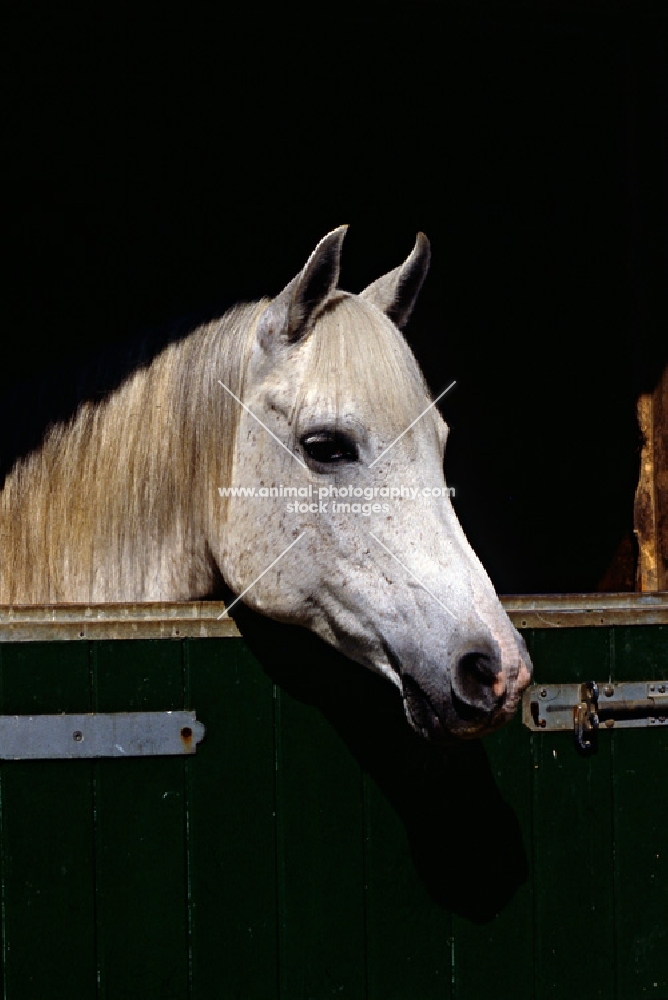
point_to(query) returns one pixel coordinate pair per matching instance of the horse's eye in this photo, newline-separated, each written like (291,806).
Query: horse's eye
(327,448)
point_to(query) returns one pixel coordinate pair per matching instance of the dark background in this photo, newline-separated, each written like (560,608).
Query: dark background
(164,165)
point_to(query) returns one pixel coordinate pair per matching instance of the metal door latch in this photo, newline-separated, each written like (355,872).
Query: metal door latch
(99,734)
(586,708)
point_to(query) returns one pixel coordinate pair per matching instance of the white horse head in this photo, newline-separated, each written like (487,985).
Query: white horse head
(333,397)
(320,393)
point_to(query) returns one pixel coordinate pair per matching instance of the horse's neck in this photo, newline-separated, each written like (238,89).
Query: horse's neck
(114,505)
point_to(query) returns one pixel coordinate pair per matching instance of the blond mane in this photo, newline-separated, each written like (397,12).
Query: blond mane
(71,509)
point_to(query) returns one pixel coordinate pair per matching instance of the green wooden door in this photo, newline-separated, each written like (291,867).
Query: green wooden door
(314,847)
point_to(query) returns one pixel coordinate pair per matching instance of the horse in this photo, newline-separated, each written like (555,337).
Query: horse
(175,481)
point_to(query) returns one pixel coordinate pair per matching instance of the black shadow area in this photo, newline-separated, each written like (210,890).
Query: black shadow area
(465,840)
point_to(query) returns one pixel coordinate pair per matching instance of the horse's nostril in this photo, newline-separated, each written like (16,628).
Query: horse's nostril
(478,681)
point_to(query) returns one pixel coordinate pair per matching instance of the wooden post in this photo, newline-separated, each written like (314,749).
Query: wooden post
(651,499)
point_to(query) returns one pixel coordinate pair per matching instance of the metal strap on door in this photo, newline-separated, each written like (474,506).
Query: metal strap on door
(99,734)
(586,708)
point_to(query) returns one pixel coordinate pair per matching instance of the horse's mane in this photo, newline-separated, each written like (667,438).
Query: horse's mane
(116,456)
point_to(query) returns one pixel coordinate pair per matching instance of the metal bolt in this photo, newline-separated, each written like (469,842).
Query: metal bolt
(651,687)
(77,735)
(543,692)
(542,723)
(609,690)
(662,718)
(662,688)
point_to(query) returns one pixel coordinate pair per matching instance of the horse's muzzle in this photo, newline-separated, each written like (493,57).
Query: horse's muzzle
(483,692)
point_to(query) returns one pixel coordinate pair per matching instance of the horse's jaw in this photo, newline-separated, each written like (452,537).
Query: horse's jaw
(460,676)
(430,621)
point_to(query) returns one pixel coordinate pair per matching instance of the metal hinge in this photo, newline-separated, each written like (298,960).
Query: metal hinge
(586,708)
(99,734)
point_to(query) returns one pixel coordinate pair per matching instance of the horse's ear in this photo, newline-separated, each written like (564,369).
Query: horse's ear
(288,316)
(395,293)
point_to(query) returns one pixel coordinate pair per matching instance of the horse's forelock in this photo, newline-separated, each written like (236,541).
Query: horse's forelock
(356,354)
